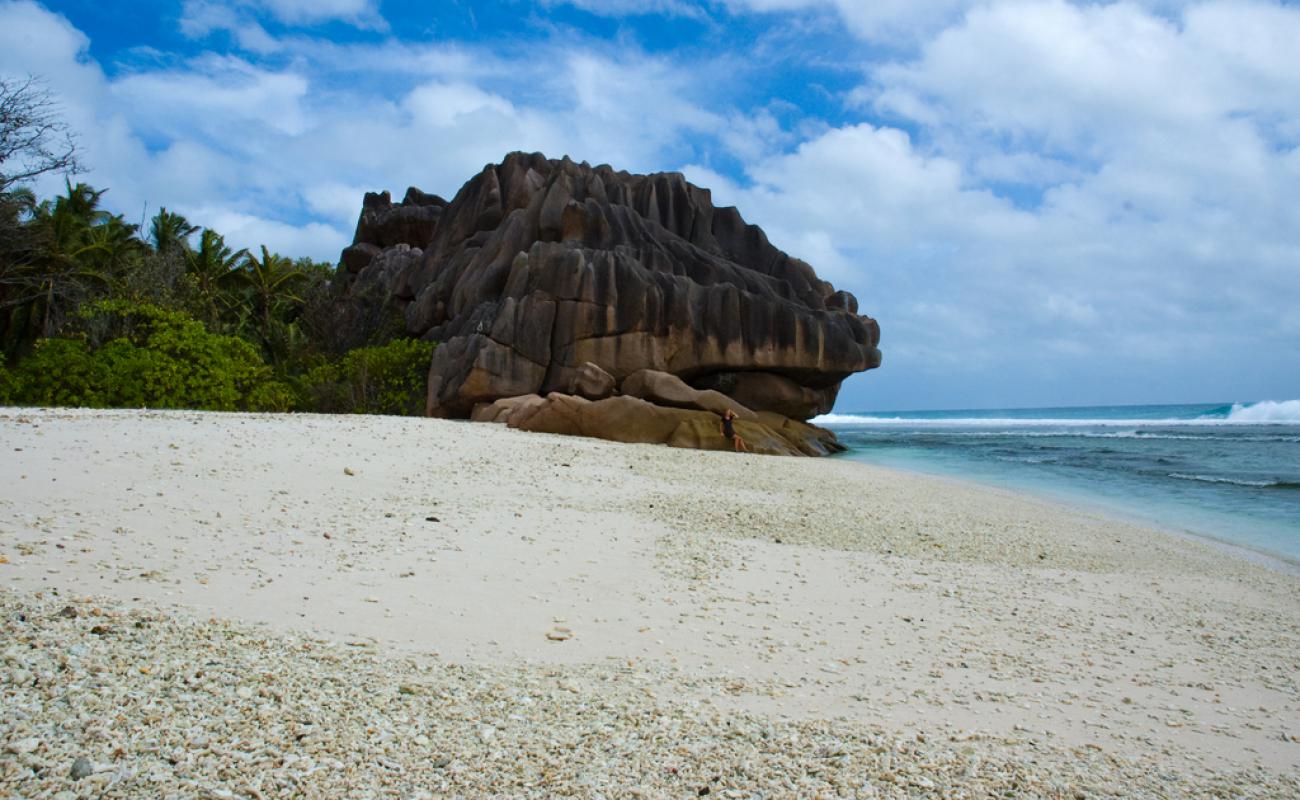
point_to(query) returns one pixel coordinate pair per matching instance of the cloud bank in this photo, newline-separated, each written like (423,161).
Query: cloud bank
(1043,202)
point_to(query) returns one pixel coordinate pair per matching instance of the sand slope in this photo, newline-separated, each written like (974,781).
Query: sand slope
(774,591)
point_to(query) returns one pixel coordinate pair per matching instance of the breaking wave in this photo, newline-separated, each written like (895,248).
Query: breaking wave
(1236,481)
(1267,412)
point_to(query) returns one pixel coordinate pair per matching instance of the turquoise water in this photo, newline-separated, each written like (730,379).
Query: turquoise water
(1225,471)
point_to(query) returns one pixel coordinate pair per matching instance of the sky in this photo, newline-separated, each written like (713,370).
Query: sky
(1043,203)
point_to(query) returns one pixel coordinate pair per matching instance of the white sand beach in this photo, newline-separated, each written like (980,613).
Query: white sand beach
(393,607)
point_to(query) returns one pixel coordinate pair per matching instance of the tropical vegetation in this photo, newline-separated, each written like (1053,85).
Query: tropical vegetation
(93,314)
(96,312)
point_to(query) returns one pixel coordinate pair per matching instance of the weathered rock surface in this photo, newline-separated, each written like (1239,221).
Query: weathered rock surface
(545,276)
(666,389)
(767,391)
(539,266)
(501,410)
(384,225)
(592,382)
(630,419)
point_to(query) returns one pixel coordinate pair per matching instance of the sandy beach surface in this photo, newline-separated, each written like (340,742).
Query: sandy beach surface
(223,605)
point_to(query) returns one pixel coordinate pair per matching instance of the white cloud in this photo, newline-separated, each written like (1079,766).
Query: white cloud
(215,98)
(444,105)
(1155,223)
(1064,307)
(243,18)
(875,20)
(632,8)
(1025,168)
(1079,78)
(335,201)
(250,231)
(200,17)
(297,12)
(860,195)
(265,149)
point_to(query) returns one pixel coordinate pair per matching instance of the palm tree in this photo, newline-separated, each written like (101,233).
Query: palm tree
(19,247)
(271,282)
(170,232)
(214,266)
(83,250)
(75,228)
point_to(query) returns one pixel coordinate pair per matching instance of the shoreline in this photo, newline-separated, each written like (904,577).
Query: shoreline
(1088,504)
(796,594)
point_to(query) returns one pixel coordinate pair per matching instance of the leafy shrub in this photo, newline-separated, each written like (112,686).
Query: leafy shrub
(133,356)
(271,396)
(60,372)
(390,379)
(6,385)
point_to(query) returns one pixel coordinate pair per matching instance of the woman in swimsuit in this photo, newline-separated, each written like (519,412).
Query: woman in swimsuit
(729,432)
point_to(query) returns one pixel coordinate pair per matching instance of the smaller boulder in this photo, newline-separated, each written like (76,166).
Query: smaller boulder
(809,440)
(505,409)
(412,222)
(700,432)
(358,256)
(592,382)
(666,389)
(623,418)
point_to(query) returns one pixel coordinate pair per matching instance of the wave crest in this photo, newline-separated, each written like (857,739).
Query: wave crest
(1266,411)
(1236,481)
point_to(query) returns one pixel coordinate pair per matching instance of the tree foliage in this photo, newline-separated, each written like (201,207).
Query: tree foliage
(170,233)
(68,252)
(141,356)
(390,379)
(94,312)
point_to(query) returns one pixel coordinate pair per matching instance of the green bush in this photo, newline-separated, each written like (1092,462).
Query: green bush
(6,386)
(271,396)
(60,372)
(372,380)
(134,356)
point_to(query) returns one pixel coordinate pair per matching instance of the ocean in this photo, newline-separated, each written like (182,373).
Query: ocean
(1229,472)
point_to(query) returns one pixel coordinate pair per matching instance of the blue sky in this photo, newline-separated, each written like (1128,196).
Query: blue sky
(1044,203)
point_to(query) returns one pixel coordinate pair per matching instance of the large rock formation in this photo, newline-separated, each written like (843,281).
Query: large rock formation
(538,267)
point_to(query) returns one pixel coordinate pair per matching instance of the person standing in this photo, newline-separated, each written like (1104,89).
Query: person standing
(728,429)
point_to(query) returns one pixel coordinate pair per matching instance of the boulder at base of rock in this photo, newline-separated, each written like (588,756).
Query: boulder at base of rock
(631,419)
(592,382)
(666,389)
(701,432)
(502,410)
(618,419)
(809,439)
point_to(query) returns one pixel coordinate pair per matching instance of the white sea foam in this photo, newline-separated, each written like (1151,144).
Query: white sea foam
(1005,422)
(1268,412)
(1272,411)
(1233,481)
(1080,433)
